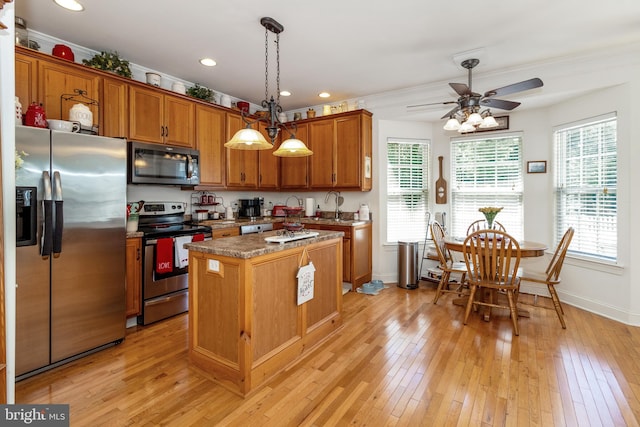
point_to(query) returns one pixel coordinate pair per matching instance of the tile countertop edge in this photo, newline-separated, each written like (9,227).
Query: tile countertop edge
(254,245)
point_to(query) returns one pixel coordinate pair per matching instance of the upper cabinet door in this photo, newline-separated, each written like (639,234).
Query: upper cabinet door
(348,152)
(210,140)
(146,115)
(56,80)
(114,105)
(322,142)
(269,165)
(26,80)
(294,171)
(179,119)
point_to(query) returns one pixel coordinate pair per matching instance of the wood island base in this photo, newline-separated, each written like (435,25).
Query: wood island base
(245,325)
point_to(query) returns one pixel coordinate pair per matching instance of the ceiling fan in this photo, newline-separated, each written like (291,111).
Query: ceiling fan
(469,104)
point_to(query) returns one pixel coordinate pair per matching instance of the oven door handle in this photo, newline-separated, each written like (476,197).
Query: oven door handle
(152,242)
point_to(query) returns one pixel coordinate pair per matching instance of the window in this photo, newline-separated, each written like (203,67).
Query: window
(407,189)
(586,186)
(487,171)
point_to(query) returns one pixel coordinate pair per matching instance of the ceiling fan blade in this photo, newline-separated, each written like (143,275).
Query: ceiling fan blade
(499,103)
(461,88)
(432,103)
(451,113)
(516,87)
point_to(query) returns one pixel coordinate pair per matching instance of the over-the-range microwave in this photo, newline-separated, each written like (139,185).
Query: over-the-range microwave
(162,164)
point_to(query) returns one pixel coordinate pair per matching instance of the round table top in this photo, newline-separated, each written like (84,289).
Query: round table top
(527,248)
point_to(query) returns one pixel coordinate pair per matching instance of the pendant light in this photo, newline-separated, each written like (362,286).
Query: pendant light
(251,139)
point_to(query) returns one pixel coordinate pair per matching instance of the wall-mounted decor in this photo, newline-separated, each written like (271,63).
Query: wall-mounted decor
(503,124)
(538,166)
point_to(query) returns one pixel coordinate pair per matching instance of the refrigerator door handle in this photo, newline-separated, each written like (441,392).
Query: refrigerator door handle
(46,243)
(59,226)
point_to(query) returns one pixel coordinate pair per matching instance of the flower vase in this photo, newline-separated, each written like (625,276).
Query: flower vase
(490,217)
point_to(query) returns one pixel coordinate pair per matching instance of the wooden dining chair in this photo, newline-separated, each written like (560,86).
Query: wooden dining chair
(551,276)
(492,258)
(447,265)
(481,223)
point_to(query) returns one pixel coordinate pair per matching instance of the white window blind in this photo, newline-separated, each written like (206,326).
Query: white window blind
(407,189)
(486,171)
(586,186)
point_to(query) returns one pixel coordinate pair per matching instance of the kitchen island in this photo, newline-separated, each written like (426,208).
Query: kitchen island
(245,324)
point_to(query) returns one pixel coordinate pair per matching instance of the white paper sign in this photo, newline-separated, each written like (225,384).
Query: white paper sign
(306,276)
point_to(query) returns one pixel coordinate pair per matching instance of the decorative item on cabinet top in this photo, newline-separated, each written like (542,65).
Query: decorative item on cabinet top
(80,111)
(109,61)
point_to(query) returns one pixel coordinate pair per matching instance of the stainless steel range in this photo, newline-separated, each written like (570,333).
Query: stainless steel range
(165,287)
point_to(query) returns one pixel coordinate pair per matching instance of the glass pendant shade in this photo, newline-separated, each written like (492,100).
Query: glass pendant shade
(474,119)
(488,122)
(466,127)
(292,147)
(248,139)
(452,124)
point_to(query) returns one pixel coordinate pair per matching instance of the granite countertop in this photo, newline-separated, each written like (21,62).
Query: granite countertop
(225,223)
(253,245)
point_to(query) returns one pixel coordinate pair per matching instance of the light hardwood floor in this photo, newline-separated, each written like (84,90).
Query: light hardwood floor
(399,360)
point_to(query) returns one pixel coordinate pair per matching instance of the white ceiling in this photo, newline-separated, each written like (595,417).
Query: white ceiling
(350,48)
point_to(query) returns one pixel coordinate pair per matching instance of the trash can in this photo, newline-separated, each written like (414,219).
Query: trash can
(408,264)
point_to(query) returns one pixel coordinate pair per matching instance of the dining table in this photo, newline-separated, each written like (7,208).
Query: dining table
(528,249)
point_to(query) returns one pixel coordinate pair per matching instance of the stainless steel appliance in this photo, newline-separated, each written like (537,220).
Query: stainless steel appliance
(165,282)
(251,208)
(70,262)
(162,164)
(255,228)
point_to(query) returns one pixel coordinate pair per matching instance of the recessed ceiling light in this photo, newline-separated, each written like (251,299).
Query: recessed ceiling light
(324,94)
(285,93)
(208,62)
(72,5)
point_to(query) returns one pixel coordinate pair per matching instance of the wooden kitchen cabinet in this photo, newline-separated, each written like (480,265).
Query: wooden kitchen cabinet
(210,140)
(160,118)
(26,79)
(357,262)
(341,148)
(133,262)
(294,171)
(56,79)
(242,165)
(219,233)
(268,164)
(114,105)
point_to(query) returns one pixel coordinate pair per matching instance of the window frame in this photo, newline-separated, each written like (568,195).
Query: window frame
(417,219)
(562,220)
(512,200)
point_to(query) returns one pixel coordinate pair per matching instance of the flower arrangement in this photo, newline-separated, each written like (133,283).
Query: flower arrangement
(109,61)
(490,214)
(19,159)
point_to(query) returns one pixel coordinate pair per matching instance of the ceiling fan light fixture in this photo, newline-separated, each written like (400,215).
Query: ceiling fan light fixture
(466,127)
(474,119)
(452,124)
(248,139)
(488,122)
(292,147)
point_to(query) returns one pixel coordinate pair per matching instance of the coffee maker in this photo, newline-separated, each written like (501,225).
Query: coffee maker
(251,208)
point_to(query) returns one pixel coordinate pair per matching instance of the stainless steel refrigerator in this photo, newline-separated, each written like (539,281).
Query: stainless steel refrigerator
(70,254)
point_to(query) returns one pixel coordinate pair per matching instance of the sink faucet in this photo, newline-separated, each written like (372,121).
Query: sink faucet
(326,200)
(298,199)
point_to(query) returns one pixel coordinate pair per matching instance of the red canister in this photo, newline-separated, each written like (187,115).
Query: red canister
(35,116)
(63,51)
